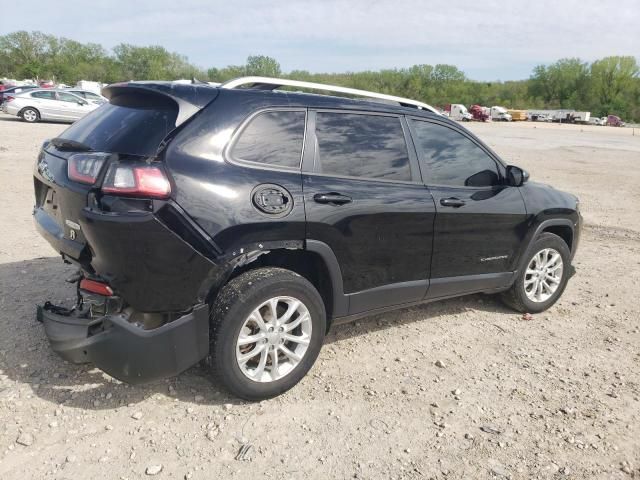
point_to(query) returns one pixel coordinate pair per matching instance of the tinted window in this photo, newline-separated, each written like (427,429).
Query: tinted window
(46,95)
(67,97)
(453,159)
(80,94)
(134,124)
(274,138)
(368,146)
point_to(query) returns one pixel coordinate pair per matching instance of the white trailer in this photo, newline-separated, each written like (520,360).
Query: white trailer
(581,117)
(95,87)
(500,114)
(459,112)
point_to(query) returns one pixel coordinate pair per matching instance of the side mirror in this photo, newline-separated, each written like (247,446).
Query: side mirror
(516,176)
(81,102)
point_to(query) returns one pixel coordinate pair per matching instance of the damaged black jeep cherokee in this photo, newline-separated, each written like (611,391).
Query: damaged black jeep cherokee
(240,222)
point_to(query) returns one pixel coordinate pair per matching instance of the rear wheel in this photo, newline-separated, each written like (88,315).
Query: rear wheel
(30,115)
(542,277)
(267,329)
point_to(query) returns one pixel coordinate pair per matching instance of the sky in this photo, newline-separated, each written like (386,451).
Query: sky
(487,39)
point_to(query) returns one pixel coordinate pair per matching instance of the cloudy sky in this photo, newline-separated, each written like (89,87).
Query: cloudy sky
(488,39)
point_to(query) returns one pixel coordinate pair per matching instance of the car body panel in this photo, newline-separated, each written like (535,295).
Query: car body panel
(392,245)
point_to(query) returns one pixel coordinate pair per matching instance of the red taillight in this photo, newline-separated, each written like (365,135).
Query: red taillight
(96,287)
(137,180)
(8,98)
(85,167)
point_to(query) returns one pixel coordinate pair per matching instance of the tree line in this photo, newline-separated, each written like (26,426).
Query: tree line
(607,86)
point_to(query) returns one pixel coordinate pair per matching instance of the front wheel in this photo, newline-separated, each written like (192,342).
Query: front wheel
(267,327)
(542,277)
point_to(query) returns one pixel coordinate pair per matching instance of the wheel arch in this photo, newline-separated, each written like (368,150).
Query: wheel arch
(315,261)
(562,227)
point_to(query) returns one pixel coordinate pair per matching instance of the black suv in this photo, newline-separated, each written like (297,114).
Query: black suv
(241,223)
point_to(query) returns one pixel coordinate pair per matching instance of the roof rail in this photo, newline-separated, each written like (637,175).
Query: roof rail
(266,83)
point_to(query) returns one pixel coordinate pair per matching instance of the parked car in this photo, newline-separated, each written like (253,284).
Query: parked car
(47,104)
(88,96)
(12,91)
(241,224)
(601,121)
(539,117)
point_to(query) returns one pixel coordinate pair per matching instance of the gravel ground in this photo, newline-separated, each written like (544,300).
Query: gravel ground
(458,389)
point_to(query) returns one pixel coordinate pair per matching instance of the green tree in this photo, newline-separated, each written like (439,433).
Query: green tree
(263,66)
(614,82)
(564,83)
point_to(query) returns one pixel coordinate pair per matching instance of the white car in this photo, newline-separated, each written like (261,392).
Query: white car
(48,104)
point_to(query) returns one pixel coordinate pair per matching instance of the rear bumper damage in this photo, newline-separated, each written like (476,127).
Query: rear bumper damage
(125,350)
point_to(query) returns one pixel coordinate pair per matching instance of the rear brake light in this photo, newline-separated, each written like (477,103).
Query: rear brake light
(8,98)
(85,167)
(137,180)
(96,287)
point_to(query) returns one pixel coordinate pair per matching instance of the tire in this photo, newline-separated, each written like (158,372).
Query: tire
(517,297)
(232,316)
(30,115)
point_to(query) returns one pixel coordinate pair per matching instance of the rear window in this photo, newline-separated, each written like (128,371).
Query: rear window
(130,124)
(273,138)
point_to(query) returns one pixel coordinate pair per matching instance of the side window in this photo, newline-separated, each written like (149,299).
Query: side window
(67,97)
(273,138)
(356,145)
(453,159)
(45,95)
(80,94)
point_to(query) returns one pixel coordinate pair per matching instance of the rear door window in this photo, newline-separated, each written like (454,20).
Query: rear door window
(361,145)
(452,159)
(67,97)
(272,138)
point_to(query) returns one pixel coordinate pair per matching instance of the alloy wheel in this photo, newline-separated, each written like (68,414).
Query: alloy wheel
(273,339)
(543,275)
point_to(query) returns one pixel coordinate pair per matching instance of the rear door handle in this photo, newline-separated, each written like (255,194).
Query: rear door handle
(332,198)
(452,202)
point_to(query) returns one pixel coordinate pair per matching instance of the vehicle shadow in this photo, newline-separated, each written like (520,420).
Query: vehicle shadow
(26,358)
(428,312)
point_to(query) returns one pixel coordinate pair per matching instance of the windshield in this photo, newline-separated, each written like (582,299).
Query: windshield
(134,126)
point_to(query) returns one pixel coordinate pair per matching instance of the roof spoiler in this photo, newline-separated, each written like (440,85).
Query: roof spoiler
(190,99)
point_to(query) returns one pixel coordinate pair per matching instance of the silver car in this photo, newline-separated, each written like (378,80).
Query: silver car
(48,104)
(88,96)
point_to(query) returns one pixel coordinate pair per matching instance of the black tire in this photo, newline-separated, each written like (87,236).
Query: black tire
(33,117)
(232,307)
(516,297)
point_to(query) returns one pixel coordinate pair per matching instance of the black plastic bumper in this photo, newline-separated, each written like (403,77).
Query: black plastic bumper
(126,351)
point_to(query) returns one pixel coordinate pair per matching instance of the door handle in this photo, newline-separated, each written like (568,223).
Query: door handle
(452,202)
(332,198)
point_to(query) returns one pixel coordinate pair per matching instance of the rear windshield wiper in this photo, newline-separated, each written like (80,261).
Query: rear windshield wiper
(70,145)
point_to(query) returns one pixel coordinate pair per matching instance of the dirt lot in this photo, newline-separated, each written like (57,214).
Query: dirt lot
(554,397)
